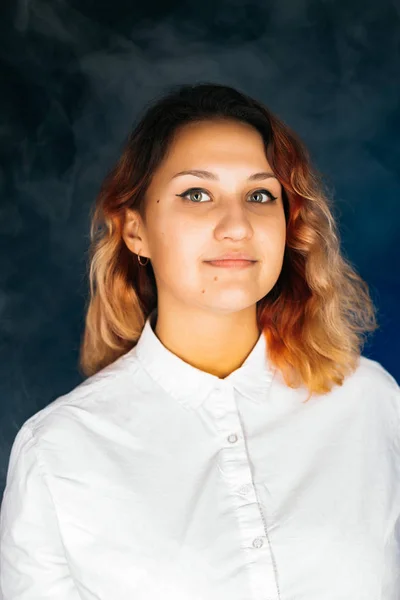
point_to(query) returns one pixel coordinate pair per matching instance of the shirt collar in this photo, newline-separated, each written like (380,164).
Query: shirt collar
(191,386)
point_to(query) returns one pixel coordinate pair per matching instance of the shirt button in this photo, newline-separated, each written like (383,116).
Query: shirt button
(232,438)
(258,542)
(245,489)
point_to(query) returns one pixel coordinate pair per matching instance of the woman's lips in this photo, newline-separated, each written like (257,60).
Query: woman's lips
(230,263)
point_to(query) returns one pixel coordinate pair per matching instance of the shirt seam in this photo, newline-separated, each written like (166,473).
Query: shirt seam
(78,395)
(394,386)
(44,477)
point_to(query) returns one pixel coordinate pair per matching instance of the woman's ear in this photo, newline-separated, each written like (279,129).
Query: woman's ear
(133,232)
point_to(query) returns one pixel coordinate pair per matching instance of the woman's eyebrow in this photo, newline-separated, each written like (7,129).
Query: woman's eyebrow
(208,175)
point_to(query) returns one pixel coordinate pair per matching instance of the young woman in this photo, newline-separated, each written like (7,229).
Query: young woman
(230,441)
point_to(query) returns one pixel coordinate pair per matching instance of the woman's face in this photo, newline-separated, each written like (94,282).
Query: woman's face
(226,212)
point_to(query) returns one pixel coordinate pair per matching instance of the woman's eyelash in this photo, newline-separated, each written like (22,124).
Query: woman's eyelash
(188,191)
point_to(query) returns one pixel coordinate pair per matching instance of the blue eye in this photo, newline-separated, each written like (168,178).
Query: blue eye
(190,191)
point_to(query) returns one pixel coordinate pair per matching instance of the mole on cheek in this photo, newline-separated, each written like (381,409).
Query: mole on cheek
(202,291)
(215,278)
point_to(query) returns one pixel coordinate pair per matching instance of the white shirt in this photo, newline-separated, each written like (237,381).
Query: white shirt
(154,480)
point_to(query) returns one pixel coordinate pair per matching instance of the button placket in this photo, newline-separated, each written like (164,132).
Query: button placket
(219,412)
(238,474)
(218,404)
(222,407)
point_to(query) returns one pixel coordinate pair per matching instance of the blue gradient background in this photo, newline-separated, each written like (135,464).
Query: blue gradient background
(75,74)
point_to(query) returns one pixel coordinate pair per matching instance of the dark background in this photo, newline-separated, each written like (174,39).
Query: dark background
(73,76)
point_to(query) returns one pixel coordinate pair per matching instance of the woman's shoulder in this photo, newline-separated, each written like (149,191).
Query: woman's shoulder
(99,392)
(373,372)
(380,391)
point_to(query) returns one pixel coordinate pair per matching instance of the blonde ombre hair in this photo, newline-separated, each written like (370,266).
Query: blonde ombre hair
(314,318)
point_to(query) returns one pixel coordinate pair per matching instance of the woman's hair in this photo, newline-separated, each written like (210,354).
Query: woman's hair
(314,318)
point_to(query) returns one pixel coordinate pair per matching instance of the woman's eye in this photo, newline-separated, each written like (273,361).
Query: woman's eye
(271,197)
(197,191)
(191,192)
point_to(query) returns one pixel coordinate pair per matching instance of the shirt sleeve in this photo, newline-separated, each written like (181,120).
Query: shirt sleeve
(33,564)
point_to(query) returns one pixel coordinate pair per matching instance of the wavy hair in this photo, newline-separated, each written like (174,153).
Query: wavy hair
(318,312)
